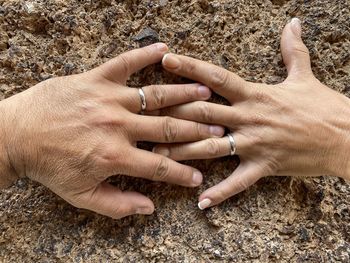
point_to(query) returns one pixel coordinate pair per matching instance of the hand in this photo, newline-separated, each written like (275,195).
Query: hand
(298,127)
(72,133)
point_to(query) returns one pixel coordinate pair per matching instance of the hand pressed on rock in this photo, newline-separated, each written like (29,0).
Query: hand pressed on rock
(72,133)
(297,127)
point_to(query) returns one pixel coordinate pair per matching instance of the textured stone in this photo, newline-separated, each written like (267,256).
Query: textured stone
(276,220)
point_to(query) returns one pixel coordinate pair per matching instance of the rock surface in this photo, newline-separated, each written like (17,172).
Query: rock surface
(276,220)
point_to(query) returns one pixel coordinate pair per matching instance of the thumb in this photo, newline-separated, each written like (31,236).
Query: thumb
(294,52)
(108,200)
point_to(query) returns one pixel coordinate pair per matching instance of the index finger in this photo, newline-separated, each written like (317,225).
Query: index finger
(123,66)
(156,167)
(221,81)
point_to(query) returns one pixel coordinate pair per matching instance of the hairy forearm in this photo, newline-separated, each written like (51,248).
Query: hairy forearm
(7,173)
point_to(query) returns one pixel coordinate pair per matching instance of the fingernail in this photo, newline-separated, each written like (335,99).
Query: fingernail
(170,61)
(144,210)
(162,151)
(205,203)
(216,130)
(162,47)
(296,26)
(204,92)
(197,178)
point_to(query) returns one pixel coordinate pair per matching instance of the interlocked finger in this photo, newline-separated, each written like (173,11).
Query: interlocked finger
(156,167)
(161,96)
(170,130)
(206,149)
(108,200)
(221,81)
(244,176)
(206,112)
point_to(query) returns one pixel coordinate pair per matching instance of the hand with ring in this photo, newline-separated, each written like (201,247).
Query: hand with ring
(72,133)
(297,127)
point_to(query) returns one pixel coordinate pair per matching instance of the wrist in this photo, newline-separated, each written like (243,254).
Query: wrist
(7,174)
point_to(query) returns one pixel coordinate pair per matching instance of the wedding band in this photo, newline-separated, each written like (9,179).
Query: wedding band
(143,100)
(232,144)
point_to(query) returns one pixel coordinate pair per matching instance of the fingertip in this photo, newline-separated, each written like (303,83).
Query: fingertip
(157,49)
(294,52)
(164,60)
(296,26)
(146,208)
(217,131)
(161,47)
(210,197)
(292,29)
(205,203)
(197,178)
(162,150)
(204,92)
(170,61)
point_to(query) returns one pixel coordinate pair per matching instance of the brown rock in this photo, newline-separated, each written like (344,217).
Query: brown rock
(276,220)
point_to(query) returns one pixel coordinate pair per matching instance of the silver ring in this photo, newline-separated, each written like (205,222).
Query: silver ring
(143,100)
(232,144)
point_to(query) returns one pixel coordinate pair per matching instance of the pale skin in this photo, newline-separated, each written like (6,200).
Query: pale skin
(299,127)
(72,133)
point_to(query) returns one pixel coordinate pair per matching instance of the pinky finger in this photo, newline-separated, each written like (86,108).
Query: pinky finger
(110,201)
(205,149)
(244,176)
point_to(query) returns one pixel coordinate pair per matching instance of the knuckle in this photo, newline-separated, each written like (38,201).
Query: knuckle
(205,112)
(117,212)
(110,122)
(257,119)
(159,96)
(110,156)
(123,61)
(88,107)
(189,93)
(202,131)
(241,184)
(262,97)
(221,195)
(184,176)
(219,77)
(213,148)
(171,129)
(106,120)
(107,157)
(300,48)
(253,141)
(189,67)
(162,170)
(258,141)
(147,51)
(271,168)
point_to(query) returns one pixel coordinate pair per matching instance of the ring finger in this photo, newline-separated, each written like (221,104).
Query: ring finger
(161,96)
(206,149)
(205,112)
(171,130)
